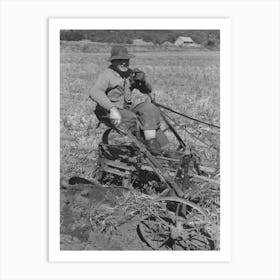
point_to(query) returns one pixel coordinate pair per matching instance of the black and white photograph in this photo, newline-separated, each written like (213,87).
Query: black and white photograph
(137,139)
(140,139)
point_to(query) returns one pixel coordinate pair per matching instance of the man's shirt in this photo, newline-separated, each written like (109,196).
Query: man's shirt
(111,90)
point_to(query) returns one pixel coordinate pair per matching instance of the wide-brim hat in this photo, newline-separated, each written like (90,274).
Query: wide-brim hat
(120,52)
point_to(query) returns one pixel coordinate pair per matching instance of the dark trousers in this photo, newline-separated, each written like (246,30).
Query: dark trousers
(146,115)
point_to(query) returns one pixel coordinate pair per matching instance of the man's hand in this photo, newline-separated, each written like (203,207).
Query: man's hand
(115,116)
(139,76)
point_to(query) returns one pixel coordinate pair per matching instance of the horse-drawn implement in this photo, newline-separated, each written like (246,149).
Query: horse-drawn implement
(181,187)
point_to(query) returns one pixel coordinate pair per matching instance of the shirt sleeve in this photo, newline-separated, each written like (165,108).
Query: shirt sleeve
(98,92)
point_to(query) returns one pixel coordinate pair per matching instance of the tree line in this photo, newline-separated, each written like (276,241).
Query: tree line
(207,38)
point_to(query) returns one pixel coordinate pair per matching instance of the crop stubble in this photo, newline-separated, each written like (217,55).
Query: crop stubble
(185,80)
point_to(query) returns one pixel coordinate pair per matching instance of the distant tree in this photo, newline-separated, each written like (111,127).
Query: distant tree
(71,35)
(171,37)
(128,41)
(147,37)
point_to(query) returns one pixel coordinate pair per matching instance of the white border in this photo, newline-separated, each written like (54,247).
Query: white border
(55,25)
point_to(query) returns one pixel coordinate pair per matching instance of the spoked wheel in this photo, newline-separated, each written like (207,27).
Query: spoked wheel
(185,227)
(154,231)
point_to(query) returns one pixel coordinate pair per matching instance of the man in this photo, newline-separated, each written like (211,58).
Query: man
(113,95)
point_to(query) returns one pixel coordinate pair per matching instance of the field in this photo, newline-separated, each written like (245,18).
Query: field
(187,80)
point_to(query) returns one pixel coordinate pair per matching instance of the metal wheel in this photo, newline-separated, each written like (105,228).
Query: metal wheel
(154,231)
(184,227)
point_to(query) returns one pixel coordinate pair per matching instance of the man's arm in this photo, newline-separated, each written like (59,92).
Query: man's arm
(99,96)
(98,92)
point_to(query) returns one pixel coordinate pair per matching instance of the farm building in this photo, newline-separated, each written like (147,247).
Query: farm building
(185,41)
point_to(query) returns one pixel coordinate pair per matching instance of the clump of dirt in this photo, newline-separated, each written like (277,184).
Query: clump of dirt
(90,219)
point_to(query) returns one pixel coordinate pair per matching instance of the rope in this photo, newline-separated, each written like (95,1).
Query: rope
(188,117)
(194,136)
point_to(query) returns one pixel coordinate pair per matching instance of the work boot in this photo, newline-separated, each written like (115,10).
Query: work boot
(153,147)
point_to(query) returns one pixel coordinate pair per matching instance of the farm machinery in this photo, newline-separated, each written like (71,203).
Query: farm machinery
(185,192)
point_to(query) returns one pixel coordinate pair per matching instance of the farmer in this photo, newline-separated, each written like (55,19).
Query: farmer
(113,94)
